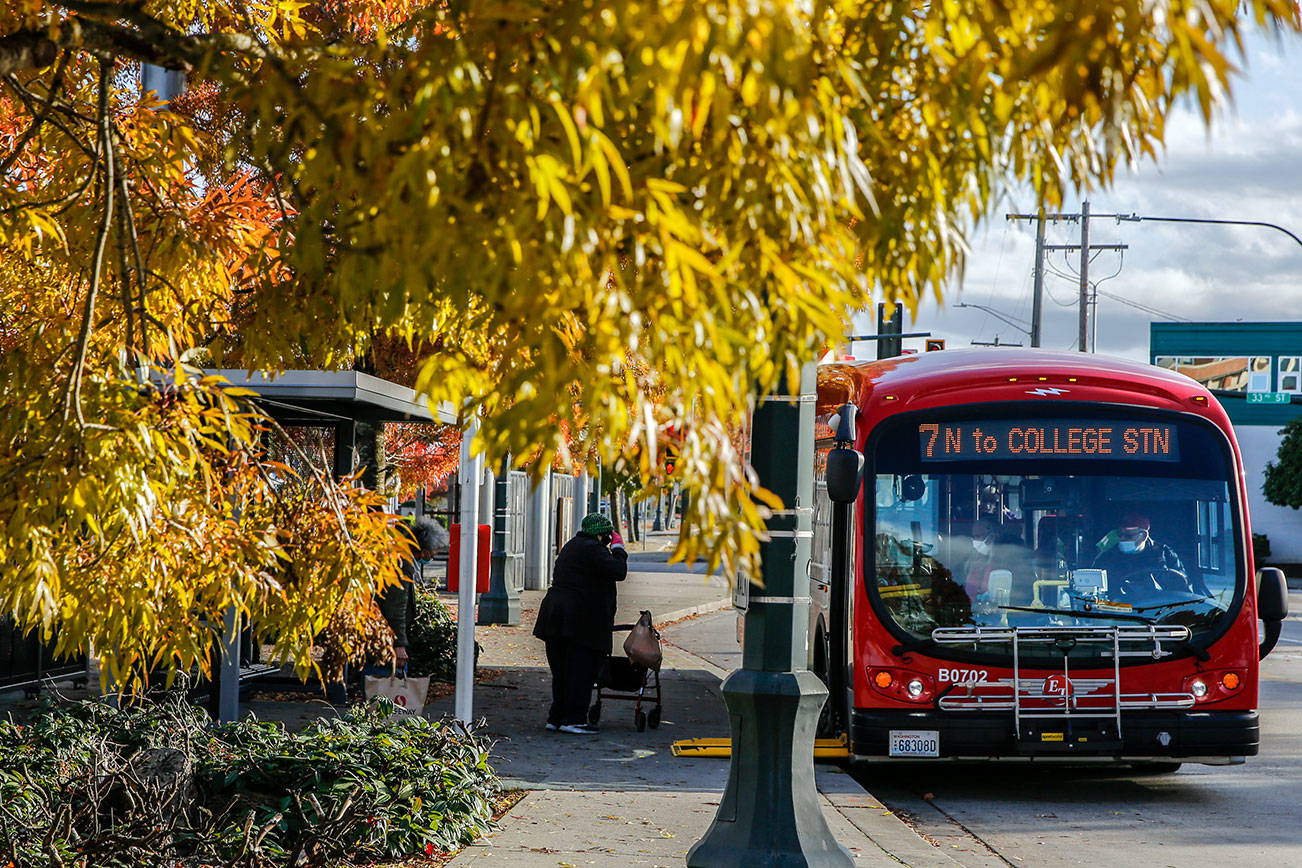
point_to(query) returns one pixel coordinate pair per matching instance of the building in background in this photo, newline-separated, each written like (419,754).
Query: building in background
(1255,370)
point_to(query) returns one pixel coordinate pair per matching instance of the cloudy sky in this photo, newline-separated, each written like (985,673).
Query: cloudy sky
(1249,167)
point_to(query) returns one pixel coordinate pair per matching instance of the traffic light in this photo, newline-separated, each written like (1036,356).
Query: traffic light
(935,344)
(889,324)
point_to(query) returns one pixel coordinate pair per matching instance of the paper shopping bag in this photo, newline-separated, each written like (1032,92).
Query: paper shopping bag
(406,693)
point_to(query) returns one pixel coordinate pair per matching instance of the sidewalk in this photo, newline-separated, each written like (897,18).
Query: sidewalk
(620,797)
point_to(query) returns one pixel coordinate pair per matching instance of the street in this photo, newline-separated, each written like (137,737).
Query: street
(1010,814)
(992,814)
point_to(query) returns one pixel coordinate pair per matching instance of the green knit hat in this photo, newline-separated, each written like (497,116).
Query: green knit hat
(595,524)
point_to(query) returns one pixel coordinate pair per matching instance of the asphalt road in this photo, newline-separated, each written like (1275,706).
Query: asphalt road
(1006,814)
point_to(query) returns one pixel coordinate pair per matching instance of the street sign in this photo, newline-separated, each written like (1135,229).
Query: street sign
(1270,397)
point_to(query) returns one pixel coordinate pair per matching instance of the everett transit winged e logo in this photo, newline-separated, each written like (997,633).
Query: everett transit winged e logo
(1046,390)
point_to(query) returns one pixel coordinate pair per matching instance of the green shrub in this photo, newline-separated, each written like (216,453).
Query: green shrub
(1260,547)
(432,640)
(86,784)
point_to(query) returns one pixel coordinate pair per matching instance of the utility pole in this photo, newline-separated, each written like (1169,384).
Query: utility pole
(1083,310)
(1083,330)
(1037,295)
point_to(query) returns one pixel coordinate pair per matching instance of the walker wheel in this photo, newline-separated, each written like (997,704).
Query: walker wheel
(653,719)
(639,720)
(594,714)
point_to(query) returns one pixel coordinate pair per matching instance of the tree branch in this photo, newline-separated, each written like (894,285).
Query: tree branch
(150,41)
(72,397)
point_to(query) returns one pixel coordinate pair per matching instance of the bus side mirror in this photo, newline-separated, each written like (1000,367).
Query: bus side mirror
(1272,594)
(844,474)
(1272,605)
(844,463)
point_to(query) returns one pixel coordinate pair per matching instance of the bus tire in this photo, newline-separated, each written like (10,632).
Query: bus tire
(826,715)
(1155,768)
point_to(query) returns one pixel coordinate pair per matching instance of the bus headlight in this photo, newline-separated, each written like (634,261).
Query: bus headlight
(1198,688)
(903,684)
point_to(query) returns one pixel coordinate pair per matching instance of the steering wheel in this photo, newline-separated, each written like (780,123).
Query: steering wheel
(1144,585)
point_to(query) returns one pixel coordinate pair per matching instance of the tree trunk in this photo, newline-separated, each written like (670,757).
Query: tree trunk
(370,455)
(616,513)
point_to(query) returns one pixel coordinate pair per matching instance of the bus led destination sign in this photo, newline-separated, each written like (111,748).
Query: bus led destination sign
(1056,438)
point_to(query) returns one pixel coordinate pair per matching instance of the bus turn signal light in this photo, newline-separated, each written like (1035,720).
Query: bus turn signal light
(883,679)
(1230,681)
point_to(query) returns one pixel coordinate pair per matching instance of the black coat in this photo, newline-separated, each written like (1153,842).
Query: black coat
(398,603)
(580,605)
(1142,573)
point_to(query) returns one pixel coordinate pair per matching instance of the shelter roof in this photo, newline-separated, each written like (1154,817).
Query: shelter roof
(324,397)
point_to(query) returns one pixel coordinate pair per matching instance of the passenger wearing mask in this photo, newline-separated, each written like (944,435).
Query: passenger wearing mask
(1139,567)
(981,560)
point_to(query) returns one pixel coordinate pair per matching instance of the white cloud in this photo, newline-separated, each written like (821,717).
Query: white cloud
(1248,168)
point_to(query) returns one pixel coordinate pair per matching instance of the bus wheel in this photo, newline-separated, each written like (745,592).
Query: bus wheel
(826,716)
(1155,768)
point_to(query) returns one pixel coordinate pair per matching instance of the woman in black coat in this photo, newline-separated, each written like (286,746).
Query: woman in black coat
(577,617)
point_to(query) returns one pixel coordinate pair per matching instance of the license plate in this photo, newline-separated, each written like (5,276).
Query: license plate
(915,742)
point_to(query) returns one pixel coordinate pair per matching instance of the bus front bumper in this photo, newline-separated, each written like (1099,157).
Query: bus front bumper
(1196,736)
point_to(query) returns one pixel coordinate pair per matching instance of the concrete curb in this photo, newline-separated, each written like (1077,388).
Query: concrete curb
(693,611)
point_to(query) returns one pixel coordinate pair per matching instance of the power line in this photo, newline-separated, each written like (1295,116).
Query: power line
(1142,307)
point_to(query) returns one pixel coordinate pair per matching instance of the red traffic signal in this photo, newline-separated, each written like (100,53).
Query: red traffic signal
(935,344)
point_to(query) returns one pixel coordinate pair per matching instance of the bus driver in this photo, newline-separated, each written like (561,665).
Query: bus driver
(1138,566)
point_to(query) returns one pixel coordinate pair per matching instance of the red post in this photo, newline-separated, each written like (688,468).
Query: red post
(484,545)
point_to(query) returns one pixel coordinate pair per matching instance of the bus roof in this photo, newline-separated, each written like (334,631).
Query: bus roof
(1007,374)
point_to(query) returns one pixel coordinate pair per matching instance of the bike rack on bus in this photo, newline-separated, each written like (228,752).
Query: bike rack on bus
(1127,640)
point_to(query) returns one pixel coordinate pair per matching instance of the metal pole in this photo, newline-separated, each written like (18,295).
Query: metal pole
(501,604)
(228,691)
(1037,295)
(471,472)
(770,812)
(1136,218)
(1082,314)
(166,83)
(536,535)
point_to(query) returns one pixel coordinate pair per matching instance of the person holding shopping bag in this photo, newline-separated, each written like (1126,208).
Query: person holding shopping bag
(577,617)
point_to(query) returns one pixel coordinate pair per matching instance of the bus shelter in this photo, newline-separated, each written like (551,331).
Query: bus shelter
(339,400)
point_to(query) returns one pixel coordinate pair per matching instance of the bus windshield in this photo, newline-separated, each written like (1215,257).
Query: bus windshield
(996,522)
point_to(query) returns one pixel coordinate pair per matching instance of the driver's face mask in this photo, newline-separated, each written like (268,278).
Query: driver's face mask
(1131,540)
(982,547)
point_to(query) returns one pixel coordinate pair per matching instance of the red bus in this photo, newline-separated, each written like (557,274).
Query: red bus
(1048,557)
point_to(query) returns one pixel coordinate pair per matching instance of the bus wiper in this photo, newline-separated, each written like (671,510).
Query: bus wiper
(1161,606)
(1070,613)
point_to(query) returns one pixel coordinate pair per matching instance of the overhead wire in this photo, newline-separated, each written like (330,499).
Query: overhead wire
(1143,307)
